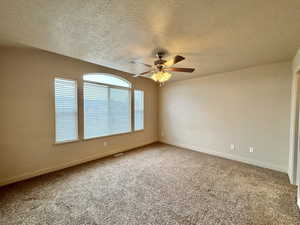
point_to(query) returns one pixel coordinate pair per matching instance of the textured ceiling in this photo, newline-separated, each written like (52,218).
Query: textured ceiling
(215,36)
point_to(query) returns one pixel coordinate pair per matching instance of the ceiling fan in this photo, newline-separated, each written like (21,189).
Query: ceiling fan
(159,71)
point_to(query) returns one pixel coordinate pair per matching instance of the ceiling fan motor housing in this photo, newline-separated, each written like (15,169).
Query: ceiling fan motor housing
(160,55)
(160,62)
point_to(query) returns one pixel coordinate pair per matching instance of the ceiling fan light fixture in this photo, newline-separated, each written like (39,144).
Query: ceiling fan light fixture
(158,71)
(161,76)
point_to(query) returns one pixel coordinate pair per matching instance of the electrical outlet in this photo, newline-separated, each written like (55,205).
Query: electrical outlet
(251,149)
(104,143)
(232,147)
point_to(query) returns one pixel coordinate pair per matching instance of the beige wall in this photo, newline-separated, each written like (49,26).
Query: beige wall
(250,107)
(26,115)
(294,122)
(247,108)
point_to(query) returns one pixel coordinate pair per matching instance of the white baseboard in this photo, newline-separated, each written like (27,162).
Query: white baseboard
(229,156)
(36,173)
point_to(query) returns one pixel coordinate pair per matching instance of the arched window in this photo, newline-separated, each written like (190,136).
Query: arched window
(107,79)
(107,105)
(110,106)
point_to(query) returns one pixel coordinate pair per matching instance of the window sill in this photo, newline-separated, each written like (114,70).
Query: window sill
(109,135)
(100,137)
(112,135)
(65,142)
(139,130)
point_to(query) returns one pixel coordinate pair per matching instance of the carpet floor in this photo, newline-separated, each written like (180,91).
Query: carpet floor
(156,184)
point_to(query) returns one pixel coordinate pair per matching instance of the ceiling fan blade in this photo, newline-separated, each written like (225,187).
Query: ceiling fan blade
(147,76)
(176,59)
(141,63)
(141,74)
(187,70)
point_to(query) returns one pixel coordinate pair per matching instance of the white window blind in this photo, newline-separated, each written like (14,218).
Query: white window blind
(65,110)
(138,110)
(120,113)
(106,110)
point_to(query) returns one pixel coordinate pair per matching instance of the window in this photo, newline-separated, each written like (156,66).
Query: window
(107,105)
(65,110)
(138,110)
(110,106)
(107,79)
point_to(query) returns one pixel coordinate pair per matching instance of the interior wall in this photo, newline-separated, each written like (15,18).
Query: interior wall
(294,129)
(294,122)
(247,108)
(27,115)
(294,157)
